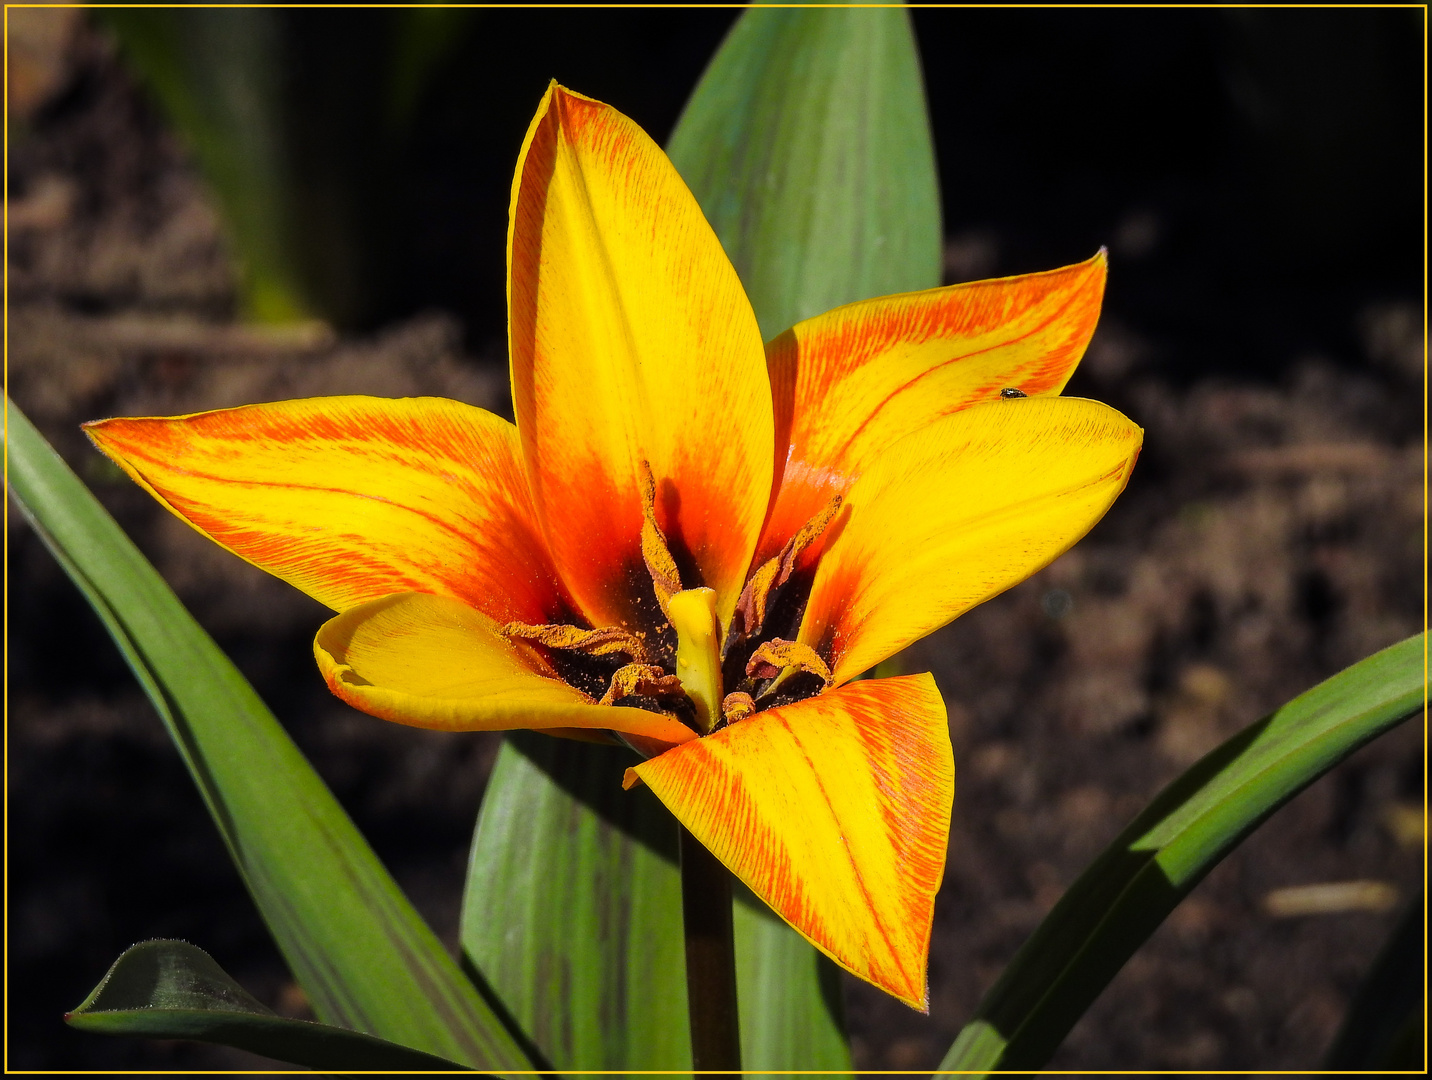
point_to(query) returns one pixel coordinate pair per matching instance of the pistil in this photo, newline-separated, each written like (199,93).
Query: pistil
(698,652)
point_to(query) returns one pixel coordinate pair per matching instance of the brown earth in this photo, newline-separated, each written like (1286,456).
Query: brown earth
(1271,535)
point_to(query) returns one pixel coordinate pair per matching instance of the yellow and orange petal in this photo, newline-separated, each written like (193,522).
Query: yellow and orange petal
(631,342)
(850,383)
(429,661)
(957,513)
(354,498)
(836,812)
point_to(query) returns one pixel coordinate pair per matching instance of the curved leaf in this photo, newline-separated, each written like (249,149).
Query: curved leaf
(173,990)
(363,956)
(807,143)
(1125,894)
(572,911)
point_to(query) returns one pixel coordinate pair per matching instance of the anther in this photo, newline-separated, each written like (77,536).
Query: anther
(603,642)
(665,577)
(644,680)
(737,706)
(777,570)
(777,659)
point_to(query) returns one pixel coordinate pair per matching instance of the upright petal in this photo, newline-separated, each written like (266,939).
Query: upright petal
(849,383)
(631,342)
(836,812)
(957,513)
(353,498)
(432,662)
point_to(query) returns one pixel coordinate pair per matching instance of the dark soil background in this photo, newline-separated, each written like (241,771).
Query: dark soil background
(1257,176)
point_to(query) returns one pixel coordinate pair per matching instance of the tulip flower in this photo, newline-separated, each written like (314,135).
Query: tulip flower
(689,542)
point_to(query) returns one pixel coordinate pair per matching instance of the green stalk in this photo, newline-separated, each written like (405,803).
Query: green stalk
(710,960)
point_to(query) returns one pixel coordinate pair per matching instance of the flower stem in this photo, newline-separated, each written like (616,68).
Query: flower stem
(710,959)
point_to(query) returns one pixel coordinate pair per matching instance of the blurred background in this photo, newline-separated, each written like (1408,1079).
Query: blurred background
(1258,178)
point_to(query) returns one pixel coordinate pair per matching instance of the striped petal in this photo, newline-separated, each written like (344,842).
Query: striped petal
(956,514)
(631,342)
(836,812)
(850,383)
(433,662)
(353,498)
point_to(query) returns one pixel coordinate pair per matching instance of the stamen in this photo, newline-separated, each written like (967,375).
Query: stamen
(777,570)
(777,659)
(698,652)
(664,575)
(737,706)
(644,680)
(603,642)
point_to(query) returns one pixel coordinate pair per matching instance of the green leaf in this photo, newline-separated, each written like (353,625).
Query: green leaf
(807,143)
(173,990)
(220,77)
(1383,1028)
(298,120)
(573,907)
(363,956)
(792,1016)
(1126,893)
(573,916)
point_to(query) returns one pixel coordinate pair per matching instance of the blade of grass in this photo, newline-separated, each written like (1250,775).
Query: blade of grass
(1118,902)
(172,990)
(363,956)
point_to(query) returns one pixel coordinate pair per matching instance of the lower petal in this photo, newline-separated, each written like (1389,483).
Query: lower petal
(836,812)
(429,661)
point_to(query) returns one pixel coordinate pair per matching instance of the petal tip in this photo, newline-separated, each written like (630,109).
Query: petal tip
(99,431)
(913,986)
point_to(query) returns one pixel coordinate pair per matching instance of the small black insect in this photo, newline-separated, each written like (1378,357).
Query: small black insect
(1012,392)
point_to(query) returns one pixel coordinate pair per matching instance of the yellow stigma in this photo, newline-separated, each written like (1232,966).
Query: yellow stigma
(698,652)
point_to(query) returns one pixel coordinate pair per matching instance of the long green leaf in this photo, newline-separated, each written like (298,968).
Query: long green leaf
(363,956)
(808,146)
(573,907)
(1125,894)
(220,77)
(173,990)
(298,120)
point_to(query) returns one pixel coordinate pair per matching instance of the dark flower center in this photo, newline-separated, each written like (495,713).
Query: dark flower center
(678,667)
